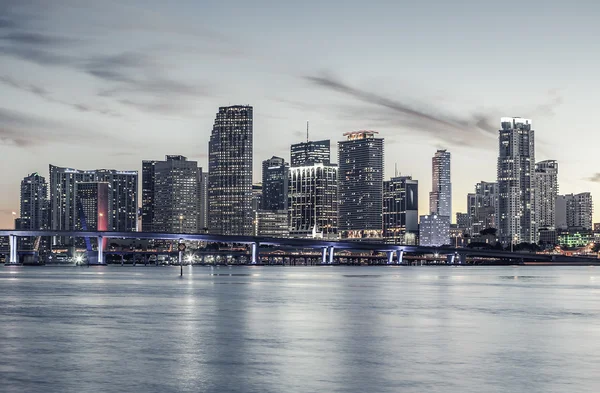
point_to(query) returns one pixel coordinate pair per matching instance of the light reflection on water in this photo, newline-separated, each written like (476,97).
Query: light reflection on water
(299,329)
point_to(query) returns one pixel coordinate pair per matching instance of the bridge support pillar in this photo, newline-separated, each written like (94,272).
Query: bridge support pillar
(324,255)
(390,257)
(100,250)
(331,254)
(254,253)
(12,244)
(399,255)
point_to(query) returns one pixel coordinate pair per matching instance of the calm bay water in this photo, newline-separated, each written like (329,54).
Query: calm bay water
(300,329)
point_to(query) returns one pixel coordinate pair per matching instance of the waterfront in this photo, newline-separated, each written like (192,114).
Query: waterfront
(300,329)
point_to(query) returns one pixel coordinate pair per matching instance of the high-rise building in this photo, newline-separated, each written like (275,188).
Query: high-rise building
(257,199)
(440,198)
(434,230)
(275,179)
(176,203)
(310,152)
(230,172)
(360,188)
(122,203)
(312,195)
(546,191)
(482,206)
(92,212)
(148,181)
(34,202)
(574,211)
(401,210)
(463,222)
(516,169)
(271,223)
(203,201)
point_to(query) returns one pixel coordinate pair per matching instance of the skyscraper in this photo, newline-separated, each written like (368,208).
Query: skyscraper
(34,202)
(516,168)
(401,210)
(176,204)
(275,179)
(440,198)
(312,193)
(92,212)
(310,152)
(122,204)
(546,190)
(230,172)
(360,188)
(203,201)
(148,181)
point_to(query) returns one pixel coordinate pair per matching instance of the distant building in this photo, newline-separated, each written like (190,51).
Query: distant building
(434,230)
(271,223)
(440,197)
(230,172)
(203,201)
(463,222)
(275,182)
(546,191)
(360,188)
(123,195)
(400,210)
(457,236)
(516,185)
(92,213)
(310,152)
(148,182)
(597,227)
(482,206)
(574,211)
(575,237)
(176,190)
(257,198)
(35,207)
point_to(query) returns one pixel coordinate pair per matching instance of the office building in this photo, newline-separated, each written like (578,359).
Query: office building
(463,222)
(574,211)
(92,199)
(148,181)
(257,198)
(176,190)
(275,183)
(122,203)
(482,206)
(434,230)
(312,193)
(516,169)
(203,201)
(34,202)
(271,223)
(230,172)
(546,191)
(310,152)
(440,198)
(360,188)
(401,210)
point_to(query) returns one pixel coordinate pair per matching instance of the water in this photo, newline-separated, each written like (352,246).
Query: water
(300,329)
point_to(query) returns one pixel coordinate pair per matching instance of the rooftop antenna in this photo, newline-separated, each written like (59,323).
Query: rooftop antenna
(307,131)
(396,169)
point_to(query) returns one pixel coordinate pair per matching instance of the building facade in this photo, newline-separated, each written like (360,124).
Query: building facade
(360,188)
(434,230)
(271,223)
(482,206)
(230,172)
(176,203)
(203,201)
(148,181)
(574,211)
(92,199)
(310,152)
(34,202)
(401,210)
(440,197)
(546,191)
(516,168)
(275,183)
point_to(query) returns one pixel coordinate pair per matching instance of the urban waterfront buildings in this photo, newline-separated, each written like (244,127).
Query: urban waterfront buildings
(546,191)
(360,188)
(401,210)
(34,202)
(434,230)
(92,213)
(271,223)
(148,181)
(230,172)
(313,191)
(440,197)
(203,201)
(516,186)
(275,184)
(482,206)
(175,200)
(574,211)
(122,203)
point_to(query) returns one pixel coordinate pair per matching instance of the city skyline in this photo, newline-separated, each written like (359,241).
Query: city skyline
(69,98)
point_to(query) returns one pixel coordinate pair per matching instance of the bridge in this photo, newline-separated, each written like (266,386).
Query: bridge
(326,246)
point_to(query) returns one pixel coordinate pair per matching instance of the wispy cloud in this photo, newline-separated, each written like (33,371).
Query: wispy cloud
(470,129)
(595,178)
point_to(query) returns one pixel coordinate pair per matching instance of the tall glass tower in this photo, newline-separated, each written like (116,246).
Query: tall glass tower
(230,172)
(275,179)
(440,197)
(516,168)
(360,185)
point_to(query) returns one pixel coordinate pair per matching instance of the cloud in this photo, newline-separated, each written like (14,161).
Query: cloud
(26,130)
(595,178)
(472,129)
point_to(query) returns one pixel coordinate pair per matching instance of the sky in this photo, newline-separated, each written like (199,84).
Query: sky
(107,84)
